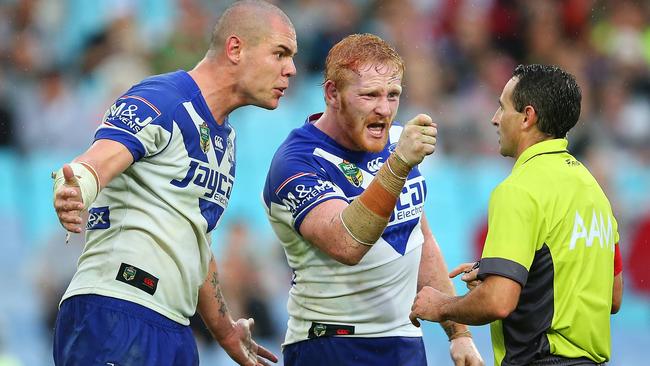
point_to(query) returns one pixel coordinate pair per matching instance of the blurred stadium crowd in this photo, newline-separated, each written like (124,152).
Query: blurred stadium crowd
(62,62)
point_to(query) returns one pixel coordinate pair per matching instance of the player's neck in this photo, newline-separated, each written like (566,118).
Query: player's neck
(215,89)
(330,125)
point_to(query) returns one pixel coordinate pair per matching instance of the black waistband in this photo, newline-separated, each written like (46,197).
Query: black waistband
(554,360)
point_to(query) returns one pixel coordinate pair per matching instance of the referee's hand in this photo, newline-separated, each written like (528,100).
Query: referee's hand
(470,274)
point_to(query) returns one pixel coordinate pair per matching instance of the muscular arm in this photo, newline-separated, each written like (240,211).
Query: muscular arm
(106,159)
(493,299)
(109,158)
(323,228)
(433,272)
(233,336)
(212,305)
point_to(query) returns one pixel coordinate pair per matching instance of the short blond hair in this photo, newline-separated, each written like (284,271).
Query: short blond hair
(356,50)
(243,19)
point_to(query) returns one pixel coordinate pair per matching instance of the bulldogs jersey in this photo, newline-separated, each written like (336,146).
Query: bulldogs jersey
(148,231)
(372,298)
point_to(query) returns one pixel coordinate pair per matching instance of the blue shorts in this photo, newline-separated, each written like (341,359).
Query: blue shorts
(100,330)
(343,351)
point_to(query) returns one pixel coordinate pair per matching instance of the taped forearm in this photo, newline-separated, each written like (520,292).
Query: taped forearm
(362,224)
(366,217)
(86,179)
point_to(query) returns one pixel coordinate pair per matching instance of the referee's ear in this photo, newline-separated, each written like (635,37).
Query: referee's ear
(530,117)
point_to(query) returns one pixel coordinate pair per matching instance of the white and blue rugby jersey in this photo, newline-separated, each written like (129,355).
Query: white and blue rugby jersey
(148,231)
(373,298)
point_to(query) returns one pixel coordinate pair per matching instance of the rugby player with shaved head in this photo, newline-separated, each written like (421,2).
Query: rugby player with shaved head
(155,183)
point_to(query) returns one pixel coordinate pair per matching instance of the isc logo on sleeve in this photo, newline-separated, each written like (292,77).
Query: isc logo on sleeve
(132,113)
(98,218)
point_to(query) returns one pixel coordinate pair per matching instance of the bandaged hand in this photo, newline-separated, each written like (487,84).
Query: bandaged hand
(75,188)
(68,202)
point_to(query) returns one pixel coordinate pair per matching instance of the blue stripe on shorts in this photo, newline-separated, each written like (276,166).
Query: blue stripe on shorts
(352,351)
(100,330)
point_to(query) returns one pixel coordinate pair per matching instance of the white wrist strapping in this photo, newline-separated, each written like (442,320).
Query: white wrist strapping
(87,181)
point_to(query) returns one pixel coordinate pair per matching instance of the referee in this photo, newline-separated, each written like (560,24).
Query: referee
(550,273)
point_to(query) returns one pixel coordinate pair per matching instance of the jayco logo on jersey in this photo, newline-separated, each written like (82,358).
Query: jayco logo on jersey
(597,230)
(375,164)
(98,218)
(132,113)
(301,194)
(406,214)
(218,185)
(411,202)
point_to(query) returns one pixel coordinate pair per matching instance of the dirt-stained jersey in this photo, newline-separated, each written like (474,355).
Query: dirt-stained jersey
(372,298)
(148,231)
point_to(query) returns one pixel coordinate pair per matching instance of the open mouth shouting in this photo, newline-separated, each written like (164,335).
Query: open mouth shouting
(377,129)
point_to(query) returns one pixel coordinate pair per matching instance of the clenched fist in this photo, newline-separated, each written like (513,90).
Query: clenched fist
(418,139)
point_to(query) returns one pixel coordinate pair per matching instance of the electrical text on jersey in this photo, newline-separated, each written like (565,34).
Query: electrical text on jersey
(411,202)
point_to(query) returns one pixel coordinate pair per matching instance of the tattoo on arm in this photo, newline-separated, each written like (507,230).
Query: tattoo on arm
(214,280)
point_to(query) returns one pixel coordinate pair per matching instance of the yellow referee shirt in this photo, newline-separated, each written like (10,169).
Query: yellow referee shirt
(551,229)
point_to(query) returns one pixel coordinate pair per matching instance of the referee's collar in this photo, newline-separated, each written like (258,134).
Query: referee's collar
(553,146)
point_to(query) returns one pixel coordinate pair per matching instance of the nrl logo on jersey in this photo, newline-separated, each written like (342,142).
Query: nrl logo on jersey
(204,132)
(129,273)
(320,330)
(352,173)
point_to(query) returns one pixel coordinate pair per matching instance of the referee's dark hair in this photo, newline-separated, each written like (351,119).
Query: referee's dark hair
(552,92)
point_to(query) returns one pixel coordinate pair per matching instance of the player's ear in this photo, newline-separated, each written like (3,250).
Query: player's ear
(233,48)
(332,94)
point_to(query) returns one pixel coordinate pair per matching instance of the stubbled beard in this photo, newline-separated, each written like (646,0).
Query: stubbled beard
(358,136)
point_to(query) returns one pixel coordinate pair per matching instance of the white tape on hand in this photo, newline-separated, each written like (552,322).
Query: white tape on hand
(87,181)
